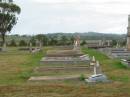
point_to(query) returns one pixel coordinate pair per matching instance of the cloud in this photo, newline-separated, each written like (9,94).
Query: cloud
(44,16)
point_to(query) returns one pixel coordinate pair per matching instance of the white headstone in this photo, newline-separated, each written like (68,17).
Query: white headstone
(4,47)
(30,46)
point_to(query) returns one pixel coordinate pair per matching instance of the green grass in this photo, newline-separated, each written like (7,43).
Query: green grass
(110,66)
(99,56)
(17,66)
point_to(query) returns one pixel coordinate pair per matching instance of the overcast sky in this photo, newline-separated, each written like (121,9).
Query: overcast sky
(49,16)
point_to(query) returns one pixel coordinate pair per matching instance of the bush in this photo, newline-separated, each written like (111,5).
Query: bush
(25,75)
(82,77)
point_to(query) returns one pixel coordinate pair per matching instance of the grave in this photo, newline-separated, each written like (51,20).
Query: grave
(63,64)
(4,47)
(63,53)
(98,76)
(65,60)
(32,49)
(67,57)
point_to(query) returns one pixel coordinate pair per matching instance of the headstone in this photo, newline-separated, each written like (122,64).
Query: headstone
(4,47)
(40,45)
(37,43)
(77,43)
(117,45)
(100,43)
(97,76)
(30,47)
(108,43)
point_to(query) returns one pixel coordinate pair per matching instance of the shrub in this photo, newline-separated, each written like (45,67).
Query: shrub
(82,77)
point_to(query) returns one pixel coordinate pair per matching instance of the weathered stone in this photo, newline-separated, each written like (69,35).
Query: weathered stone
(126,62)
(128,34)
(97,78)
(65,60)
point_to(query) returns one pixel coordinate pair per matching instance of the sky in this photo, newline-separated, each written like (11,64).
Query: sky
(50,16)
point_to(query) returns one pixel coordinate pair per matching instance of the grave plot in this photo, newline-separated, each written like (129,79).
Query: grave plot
(65,60)
(68,57)
(60,64)
(65,64)
(59,70)
(63,53)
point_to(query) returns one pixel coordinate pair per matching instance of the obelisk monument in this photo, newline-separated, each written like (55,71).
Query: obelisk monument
(128,34)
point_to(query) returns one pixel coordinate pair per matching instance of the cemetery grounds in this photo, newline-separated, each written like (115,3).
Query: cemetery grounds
(16,67)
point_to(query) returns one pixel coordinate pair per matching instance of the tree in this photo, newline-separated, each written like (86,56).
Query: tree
(83,43)
(53,41)
(22,43)
(13,43)
(8,18)
(33,41)
(63,40)
(42,38)
(114,42)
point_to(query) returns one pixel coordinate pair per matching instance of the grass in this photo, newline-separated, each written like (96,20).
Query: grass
(112,67)
(17,66)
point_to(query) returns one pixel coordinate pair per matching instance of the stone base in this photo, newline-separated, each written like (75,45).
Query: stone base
(126,63)
(52,78)
(63,68)
(97,78)
(65,60)
(63,53)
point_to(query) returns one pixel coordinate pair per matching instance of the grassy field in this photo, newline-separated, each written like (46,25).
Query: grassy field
(17,66)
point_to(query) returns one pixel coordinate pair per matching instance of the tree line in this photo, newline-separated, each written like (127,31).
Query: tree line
(51,40)
(44,40)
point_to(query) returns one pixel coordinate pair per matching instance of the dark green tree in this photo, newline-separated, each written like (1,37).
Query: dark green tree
(43,38)
(63,40)
(83,43)
(12,43)
(114,42)
(53,41)
(33,41)
(72,40)
(8,18)
(22,43)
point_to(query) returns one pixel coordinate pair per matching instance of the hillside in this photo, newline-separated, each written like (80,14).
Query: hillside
(83,36)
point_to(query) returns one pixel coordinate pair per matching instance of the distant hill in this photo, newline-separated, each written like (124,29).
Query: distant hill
(83,36)
(91,35)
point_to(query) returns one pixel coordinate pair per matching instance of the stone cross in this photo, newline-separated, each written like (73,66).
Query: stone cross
(97,69)
(93,62)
